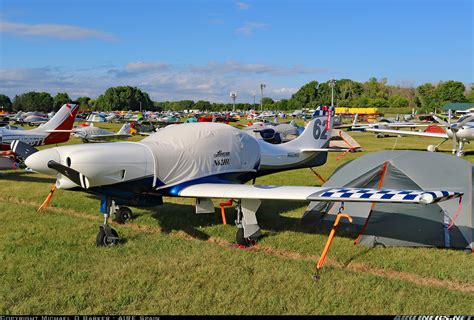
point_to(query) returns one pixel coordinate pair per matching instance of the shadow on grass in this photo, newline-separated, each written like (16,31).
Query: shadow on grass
(24,176)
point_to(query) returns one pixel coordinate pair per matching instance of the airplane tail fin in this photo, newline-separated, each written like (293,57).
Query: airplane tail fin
(317,133)
(125,129)
(62,120)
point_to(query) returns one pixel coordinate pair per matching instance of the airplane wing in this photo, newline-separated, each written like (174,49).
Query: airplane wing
(410,133)
(108,136)
(302,193)
(59,131)
(332,150)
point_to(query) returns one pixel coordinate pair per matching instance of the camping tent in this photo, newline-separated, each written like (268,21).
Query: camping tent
(444,224)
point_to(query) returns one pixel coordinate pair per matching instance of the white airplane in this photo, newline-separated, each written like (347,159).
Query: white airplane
(460,132)
(382,124)
(62,120)
(94,134)
(202,161)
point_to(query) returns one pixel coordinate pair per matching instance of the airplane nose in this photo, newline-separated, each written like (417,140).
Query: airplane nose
(38,161)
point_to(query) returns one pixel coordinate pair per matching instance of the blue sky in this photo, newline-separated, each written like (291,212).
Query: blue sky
(205,49)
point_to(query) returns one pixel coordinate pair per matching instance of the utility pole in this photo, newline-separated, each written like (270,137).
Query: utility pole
(233,95)
(262,85)
(254,101)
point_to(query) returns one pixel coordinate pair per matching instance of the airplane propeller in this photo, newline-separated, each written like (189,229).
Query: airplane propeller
(73,175)
(21,149)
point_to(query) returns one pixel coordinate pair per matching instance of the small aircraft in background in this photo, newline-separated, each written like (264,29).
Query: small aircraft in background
(384,124)
(62,120)
(202,161)
(459,132)
(95,134)
(91,133)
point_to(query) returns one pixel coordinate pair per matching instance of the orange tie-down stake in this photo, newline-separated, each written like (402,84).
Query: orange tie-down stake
(329,241)
(46,201)
(223,205)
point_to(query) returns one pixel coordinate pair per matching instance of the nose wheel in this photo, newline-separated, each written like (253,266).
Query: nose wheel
(107,236)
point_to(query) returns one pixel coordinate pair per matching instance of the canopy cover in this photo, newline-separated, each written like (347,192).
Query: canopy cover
(191,151)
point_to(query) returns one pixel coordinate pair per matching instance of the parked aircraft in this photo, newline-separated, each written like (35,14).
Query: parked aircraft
(383,124)
(460,132)
(202,161)
(62,120)
(94,134)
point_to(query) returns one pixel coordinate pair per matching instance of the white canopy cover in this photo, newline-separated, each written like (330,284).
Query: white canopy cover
(195,150)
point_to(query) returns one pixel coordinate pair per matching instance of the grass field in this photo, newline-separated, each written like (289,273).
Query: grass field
(176,262)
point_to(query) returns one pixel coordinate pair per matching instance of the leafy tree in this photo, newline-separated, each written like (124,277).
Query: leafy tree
(427,96)
(347,89)
(376,89)
(361,102)
(344,103)
(123,98)
(202,105)
(306,94)
(267,102)
(324,94)
(470,94)
(59,99)
(451,91)
(182,105)
(398,102)
(5,103)
(281,104)
(31,101)
(84,103)
(378,103)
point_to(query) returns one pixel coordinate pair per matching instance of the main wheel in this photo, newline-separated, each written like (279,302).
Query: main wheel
(123,214)
(241,240)
(102,240)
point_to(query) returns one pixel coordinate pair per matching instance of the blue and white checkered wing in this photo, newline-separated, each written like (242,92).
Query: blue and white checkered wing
(382,195)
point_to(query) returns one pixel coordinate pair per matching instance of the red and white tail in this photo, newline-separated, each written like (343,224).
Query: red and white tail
(62,120)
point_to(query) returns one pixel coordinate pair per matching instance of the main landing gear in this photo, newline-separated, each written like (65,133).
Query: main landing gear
(107,236)
(122,215)
(248,230)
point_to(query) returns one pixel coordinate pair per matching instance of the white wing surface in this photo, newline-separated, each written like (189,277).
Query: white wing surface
(301,193)
(410,133)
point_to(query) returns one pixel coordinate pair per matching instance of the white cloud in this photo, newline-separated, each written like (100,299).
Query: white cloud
(248,28)
(242,5)
(212,81)
(284,91)
(236,67)
(58,31)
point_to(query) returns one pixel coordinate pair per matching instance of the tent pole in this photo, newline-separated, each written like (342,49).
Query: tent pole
(382,174)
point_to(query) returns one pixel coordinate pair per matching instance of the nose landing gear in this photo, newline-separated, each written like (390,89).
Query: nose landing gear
(107,235)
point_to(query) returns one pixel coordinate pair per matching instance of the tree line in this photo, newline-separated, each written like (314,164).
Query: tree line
(347,93)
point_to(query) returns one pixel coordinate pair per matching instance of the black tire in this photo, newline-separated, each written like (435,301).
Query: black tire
(241,240)
(122,215)
(102,240)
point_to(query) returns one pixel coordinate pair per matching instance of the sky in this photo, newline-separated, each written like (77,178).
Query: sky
(204,49)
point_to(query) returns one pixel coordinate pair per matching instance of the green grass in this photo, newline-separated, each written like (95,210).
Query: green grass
(176,262)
